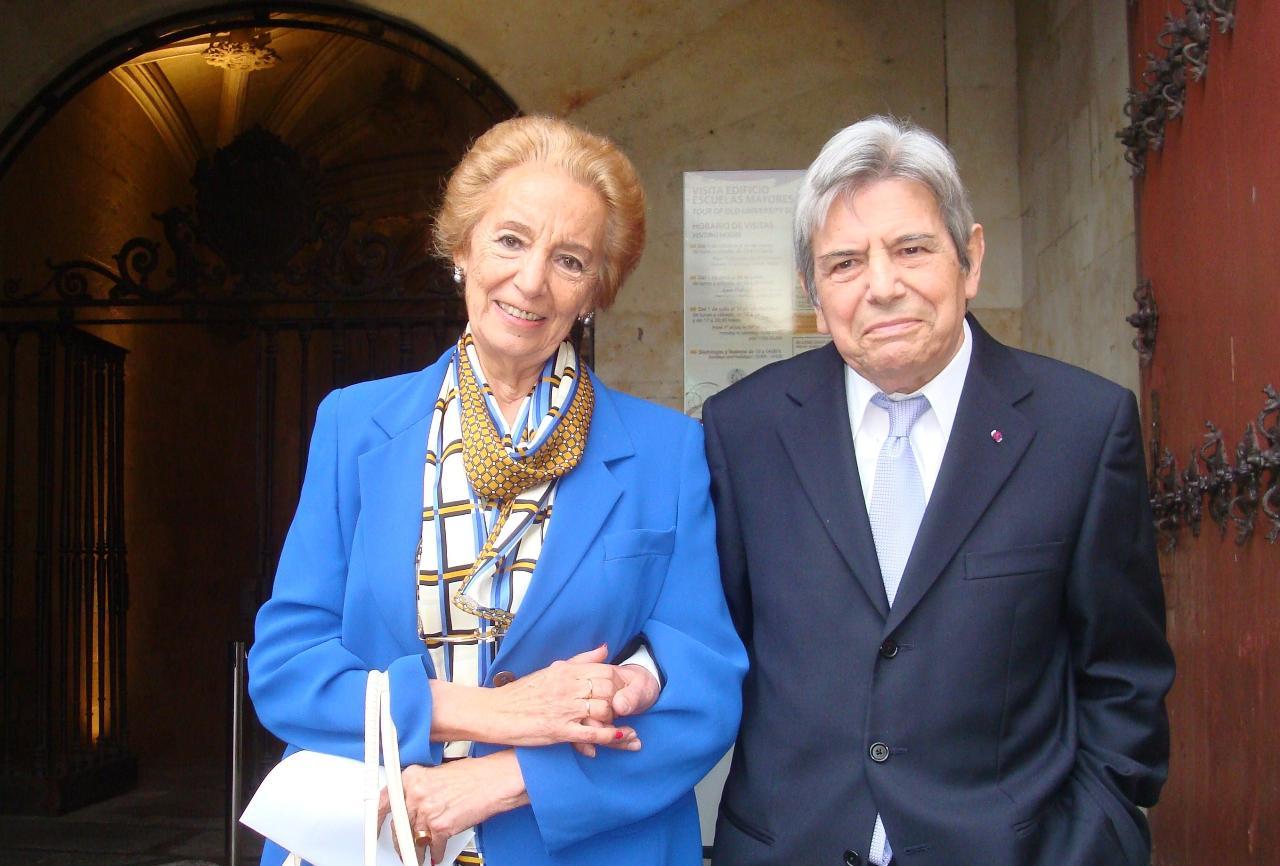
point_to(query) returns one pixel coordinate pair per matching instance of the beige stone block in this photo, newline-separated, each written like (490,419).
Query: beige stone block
(515,45)
(1115,274)
(1080,171)
(1080,247)
(1004,325)
(1053,270)
(984,138)
(643,354)
(1109,40)
(1057,186)
(1082,321)
(1030,275)
(1031,24)
(747,65)
(1049,87)
(1060,11)
(1038,210)
(1001,285)
(981,43)
(1106,106)
(1112,212)
(1053,323)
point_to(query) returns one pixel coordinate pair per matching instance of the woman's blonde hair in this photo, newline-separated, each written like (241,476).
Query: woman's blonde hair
(590,159)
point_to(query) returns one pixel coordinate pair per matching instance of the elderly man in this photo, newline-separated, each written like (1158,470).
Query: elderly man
(939,553)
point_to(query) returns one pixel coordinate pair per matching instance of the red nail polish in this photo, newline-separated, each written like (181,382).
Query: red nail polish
(617,735)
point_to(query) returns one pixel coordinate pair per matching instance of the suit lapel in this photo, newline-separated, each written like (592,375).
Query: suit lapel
(819,443)
(974,467)
(391,501)
(584,500)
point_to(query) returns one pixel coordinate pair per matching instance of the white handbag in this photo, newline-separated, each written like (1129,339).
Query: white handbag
(324,809)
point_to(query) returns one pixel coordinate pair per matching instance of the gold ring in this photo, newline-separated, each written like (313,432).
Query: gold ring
(422,835)
(591,689)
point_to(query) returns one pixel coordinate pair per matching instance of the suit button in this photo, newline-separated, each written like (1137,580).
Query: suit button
(851,858)
(503,678)
(888,649)
(879,752)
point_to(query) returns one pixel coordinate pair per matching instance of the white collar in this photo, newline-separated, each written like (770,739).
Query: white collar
(943,390)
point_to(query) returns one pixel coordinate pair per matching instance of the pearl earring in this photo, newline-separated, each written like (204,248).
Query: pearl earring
(457,275)
(586,320)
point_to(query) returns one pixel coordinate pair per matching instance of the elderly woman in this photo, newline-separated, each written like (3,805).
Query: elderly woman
(493,529)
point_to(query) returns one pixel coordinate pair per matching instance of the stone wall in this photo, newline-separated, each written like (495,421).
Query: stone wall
(1078,259)
(982,130)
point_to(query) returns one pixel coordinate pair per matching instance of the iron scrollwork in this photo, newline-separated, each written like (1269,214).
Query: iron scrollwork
(1184,42)
(254,233)
(1146,320)
(1234,493)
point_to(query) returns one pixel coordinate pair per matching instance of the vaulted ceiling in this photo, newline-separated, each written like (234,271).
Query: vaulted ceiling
(383,127)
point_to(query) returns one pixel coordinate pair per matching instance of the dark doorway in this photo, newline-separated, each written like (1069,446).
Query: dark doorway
(240,198)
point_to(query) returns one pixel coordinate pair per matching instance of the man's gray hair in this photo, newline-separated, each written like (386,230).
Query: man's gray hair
(871,150)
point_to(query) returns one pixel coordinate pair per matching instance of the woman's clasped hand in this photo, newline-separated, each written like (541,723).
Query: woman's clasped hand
(571,701)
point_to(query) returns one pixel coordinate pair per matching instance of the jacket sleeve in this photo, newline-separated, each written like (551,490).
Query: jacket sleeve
(733,556)
(1122,665)
(307,688)
(696,716)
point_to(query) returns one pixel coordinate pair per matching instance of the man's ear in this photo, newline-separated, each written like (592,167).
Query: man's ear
(976,248)
(822,322)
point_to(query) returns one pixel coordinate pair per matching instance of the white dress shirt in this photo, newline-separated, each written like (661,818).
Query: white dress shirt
(869,423)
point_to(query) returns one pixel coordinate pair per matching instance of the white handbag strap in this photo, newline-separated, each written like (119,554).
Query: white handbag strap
(379,725)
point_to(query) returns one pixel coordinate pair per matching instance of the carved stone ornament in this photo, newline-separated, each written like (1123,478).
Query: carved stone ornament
(242,52)
(1234,492)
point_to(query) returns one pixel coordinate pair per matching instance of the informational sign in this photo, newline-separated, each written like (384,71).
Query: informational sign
(744,304)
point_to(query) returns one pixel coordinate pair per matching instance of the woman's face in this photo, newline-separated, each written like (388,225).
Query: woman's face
(532,265)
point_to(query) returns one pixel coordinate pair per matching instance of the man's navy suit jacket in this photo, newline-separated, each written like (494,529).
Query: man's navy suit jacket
(1017,684)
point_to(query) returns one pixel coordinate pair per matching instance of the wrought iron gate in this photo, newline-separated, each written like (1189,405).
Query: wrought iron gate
(62,643)
(322,301)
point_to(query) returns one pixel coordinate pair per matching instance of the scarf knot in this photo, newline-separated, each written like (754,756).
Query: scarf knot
(496,465)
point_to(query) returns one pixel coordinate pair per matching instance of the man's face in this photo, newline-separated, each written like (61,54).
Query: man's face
(890,289)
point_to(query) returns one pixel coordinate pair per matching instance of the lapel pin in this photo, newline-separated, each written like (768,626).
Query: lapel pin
(997,437)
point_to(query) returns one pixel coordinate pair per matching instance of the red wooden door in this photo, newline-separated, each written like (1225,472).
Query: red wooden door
(1209,240)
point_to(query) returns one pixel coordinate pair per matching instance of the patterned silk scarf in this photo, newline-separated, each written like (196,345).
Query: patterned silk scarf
(488,491)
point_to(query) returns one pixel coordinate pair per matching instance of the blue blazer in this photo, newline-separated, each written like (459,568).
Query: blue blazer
(1017,682)
(631,551)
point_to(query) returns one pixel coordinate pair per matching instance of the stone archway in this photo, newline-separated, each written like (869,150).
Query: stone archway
(239,199)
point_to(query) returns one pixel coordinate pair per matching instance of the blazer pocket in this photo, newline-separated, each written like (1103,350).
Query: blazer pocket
(1031,559)
(629,543)
(744,827)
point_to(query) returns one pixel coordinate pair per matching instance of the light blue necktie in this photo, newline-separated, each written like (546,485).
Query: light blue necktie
(897,496)
(897,504)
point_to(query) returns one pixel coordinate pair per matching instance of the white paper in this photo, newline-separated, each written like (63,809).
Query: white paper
(744,305)
(312,805)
